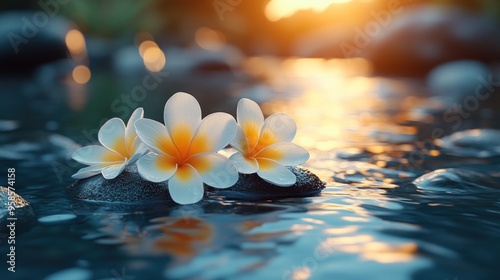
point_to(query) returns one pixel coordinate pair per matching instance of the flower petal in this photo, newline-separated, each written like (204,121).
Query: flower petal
(215,132)
(275,173)
(112,136)
(95,154)
(285,153)
(182,115)
(215,170)
(277,128)
(240,142)
(250,118)
(155,136)
(139,149)
(156,168)
(88,171)
(130,133)
(243,164)
(186,186)
(110,172)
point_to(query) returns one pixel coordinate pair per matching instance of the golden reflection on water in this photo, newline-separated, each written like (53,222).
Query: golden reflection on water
(368,248)
(335,103)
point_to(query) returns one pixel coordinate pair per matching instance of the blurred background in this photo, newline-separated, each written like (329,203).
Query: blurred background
(73,64)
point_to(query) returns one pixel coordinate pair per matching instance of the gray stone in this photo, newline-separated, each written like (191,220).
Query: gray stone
(31,39)
(128,187)
(252,187)
(425,36)
(23,213)
(476,143)
(457,79)
(455,181)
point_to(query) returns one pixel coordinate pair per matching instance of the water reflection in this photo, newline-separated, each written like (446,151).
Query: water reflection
(182,237)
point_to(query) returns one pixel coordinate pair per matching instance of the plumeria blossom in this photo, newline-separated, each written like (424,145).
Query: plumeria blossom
(120,147)
(185,149)
(264,146)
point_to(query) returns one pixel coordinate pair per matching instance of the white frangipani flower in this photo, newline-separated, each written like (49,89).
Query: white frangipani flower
(120,147)
(264,147)
(185,149)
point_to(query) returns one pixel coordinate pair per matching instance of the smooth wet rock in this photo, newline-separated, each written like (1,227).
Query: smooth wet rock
(128,187)
(477,143)
(23,212)
(455,181)
(252,187)
(458,79)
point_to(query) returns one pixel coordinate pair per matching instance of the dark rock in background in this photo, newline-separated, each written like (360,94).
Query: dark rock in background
(474,143)
(455,181)
(455,80)
(464,94)
(23,212)
(34,61)
(252,187)
(31,39)
(426,36)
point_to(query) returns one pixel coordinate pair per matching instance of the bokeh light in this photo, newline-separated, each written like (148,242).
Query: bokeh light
(81,74)
(147,45)
(154,59)
(209,39)
(75,41)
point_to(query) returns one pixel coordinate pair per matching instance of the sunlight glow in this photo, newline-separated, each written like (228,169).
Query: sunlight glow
(278,9)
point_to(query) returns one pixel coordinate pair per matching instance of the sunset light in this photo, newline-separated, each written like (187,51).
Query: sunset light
(278,9)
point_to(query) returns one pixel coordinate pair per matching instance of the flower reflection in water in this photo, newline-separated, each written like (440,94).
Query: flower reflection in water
(183,237)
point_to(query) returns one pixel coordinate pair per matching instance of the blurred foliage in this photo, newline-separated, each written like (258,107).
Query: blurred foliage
(113,18)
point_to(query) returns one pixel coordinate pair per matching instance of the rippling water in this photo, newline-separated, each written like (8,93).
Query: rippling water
(375,219)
